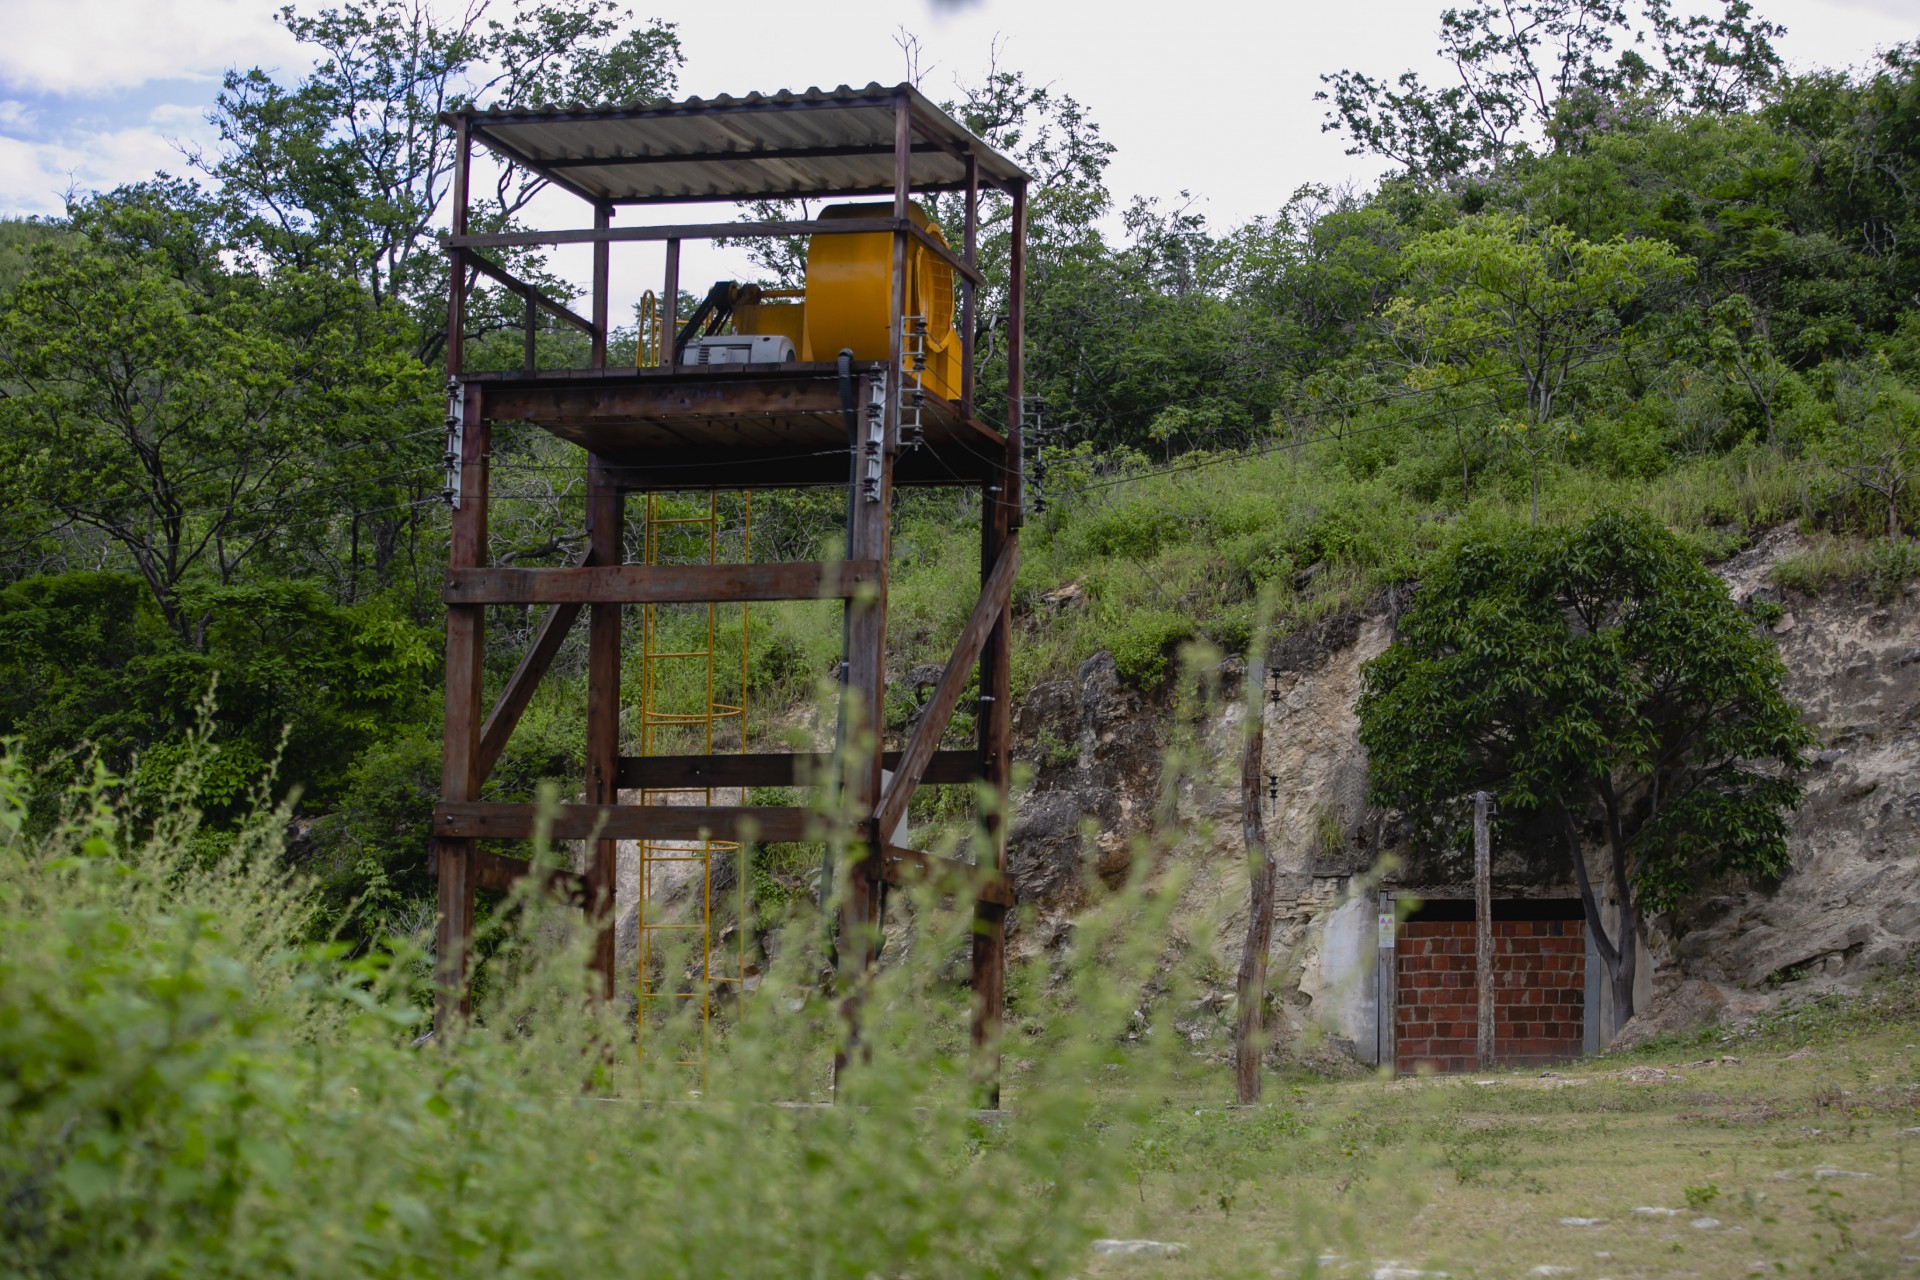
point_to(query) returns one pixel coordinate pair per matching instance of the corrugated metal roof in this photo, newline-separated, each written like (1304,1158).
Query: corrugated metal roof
(818,143)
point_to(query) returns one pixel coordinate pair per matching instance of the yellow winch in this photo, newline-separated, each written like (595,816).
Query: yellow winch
(848,298)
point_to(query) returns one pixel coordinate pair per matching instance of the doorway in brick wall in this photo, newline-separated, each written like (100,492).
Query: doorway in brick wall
(1542,996)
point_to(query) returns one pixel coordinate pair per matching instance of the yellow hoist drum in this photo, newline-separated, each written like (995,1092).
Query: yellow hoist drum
(849,296)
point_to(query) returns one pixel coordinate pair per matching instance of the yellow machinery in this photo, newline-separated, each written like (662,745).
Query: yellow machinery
(848,297)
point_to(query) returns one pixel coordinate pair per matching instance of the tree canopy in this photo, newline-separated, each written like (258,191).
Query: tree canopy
(232,415)
(1599,676)
(347,168)
(1534,74)
(1515,309)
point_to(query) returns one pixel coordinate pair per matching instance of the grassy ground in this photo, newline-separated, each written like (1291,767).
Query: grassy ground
(1780,1153)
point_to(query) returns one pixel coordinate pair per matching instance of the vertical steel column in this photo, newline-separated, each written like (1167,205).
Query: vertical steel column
(529,332)
(865,619)
(1000,519)
(457,258)
(459,773)
(602,219)
(995,729)
(863,703)
(605,517)
(1017,354)
(670,308)
(453,859)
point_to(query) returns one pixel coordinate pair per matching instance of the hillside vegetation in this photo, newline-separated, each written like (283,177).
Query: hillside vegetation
(1655,274)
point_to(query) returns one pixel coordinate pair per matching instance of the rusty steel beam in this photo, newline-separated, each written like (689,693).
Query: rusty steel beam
(903,868)
(606,522)
(960,265)
(465,672)
(774,769)
(493,270)
(797,193)
(742,154)
(610,584)
(526,678)
(689,231)
(488,820)
(498,873)
(987,612)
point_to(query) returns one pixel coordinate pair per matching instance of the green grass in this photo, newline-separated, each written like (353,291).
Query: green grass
(1885,566)
(187,1088)
(1481,1176)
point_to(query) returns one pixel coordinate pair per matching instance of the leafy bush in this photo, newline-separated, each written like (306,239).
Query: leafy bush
(1143,643)
(1890,565)
(86,658)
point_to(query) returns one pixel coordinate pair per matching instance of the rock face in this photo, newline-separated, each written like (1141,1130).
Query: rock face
(1850,904)
(1686,1004)
(1096,749)
(1852,901)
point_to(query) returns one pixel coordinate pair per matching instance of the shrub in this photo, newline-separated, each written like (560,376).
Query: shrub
(1143,643)
(1890,565)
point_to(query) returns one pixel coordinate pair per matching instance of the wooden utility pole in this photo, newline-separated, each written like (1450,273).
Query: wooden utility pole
(1249,1037)
(1483,924)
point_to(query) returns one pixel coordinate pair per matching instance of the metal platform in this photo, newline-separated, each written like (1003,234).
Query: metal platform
(732,426)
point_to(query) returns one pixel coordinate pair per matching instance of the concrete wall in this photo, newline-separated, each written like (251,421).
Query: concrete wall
(1341,985)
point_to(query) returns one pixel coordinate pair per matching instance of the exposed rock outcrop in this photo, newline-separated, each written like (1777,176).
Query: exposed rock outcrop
(1852,901)
(1096,748)
(1850,904)
(1687,1005)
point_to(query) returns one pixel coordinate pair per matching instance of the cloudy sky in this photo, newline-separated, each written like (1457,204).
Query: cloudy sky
(1216,98)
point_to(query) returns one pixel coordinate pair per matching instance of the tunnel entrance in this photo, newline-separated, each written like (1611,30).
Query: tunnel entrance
(1542,996)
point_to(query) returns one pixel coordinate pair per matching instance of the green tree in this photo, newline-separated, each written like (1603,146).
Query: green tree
(1517,308)
(1875,449)
(197,417)
(87,660)
(1597,677)
(1533,73)
(349,168)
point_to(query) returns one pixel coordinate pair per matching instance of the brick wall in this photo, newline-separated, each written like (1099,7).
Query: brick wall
(1540,980)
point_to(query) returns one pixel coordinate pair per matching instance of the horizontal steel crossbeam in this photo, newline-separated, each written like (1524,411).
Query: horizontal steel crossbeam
(663,584)
(485,820)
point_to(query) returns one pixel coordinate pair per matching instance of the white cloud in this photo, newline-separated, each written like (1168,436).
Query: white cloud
(95,46)
(1901,10)
(36,175)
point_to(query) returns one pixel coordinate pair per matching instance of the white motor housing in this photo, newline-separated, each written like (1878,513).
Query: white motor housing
(740,348)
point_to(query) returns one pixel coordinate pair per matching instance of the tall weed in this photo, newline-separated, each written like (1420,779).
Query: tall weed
(188,1088)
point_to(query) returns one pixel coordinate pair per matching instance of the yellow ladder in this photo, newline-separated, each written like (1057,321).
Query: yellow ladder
(684,680)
